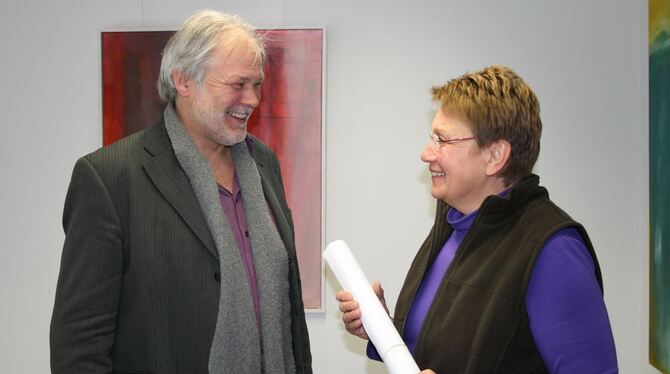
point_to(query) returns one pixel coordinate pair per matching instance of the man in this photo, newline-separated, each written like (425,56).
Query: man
(179,252)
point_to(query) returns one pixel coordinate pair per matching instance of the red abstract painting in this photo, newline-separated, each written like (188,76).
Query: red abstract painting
(289,120)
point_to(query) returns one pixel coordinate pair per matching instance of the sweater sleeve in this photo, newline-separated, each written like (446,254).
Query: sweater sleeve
(371,352)
(566,310)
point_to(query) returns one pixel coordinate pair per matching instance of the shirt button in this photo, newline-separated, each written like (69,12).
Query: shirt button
(217,277)
(246,233)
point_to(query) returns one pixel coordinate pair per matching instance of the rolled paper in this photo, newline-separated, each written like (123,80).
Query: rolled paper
(376,321)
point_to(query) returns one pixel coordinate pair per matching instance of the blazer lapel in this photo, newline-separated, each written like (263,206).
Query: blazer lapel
(164,170)
(167,175)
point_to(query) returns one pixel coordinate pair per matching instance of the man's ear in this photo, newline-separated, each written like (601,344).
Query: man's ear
(499,153)
(182,83)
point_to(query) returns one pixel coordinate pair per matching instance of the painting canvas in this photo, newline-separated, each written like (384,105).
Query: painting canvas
(289,119)
(659,183)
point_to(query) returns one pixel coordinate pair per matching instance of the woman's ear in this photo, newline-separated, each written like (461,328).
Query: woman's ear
(499,153)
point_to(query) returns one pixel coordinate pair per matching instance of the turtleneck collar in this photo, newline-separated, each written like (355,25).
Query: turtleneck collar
(462,222)
(459,221)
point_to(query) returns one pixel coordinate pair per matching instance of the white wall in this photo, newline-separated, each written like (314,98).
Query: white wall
(587,61)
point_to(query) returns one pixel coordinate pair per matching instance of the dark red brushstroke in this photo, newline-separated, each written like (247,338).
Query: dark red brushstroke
(288,119)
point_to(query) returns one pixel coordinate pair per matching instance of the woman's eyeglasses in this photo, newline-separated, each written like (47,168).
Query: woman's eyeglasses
(438,142)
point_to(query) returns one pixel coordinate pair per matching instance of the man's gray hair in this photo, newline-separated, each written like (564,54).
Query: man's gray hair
(191,47)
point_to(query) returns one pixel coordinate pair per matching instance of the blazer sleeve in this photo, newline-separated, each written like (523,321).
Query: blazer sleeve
(89,283)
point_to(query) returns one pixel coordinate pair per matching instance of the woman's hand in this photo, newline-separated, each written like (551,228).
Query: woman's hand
(351,311)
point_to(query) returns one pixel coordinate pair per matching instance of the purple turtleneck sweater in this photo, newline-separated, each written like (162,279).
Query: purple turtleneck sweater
(566,310)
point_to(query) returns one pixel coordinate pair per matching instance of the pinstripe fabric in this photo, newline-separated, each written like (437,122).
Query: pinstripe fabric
(137,290)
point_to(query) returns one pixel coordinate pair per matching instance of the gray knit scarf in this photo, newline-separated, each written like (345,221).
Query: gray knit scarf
(236,347)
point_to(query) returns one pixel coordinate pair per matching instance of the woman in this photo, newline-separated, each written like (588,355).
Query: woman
(505,282)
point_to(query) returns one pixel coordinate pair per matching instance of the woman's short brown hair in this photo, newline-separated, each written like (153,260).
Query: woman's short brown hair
(497,104)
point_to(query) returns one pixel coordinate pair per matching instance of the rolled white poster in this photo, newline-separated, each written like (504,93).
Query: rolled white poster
(376,321)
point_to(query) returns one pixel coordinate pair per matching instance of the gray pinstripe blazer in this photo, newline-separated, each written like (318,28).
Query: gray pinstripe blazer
(138,288)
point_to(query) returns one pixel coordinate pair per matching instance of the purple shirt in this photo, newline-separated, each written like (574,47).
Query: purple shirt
(233,208)
(433,277)
(566,310)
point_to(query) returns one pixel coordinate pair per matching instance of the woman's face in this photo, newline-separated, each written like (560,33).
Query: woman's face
(457,165)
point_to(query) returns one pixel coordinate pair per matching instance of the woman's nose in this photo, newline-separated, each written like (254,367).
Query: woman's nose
(428,153)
